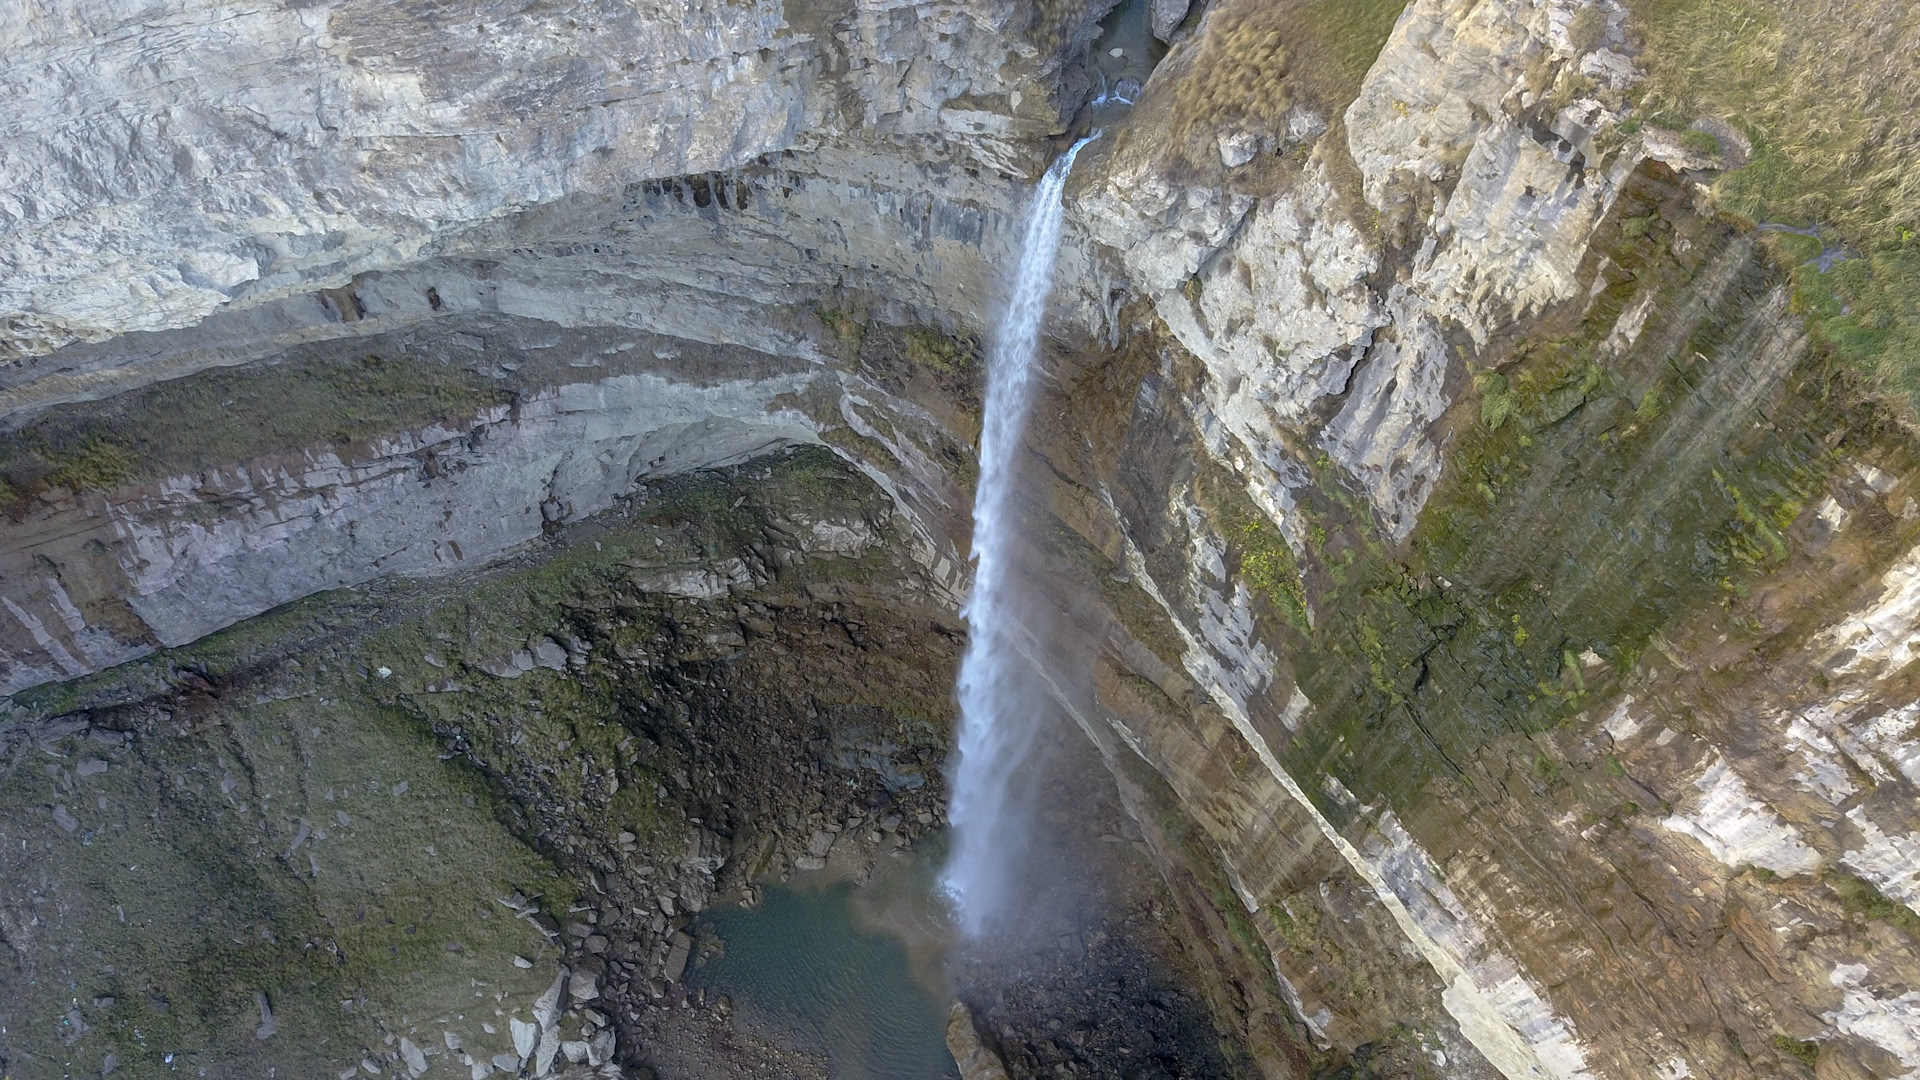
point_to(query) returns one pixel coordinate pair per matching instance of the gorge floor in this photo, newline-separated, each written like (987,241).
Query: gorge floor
(417,801)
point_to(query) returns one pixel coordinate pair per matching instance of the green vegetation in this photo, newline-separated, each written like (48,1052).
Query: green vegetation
(932,349)
(1867,310)
(1828,97)
(1700,142)
(1258,59)
(225,416)
(1497,399)
(848,326)
(1240,73)
(859,447)
(95,463)
(1596,493)
(1631,422)
(1859,897)
(1341,41)
(1264,560)
(1806,1052)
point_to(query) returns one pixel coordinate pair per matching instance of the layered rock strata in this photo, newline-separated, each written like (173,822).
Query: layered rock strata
(1498,610)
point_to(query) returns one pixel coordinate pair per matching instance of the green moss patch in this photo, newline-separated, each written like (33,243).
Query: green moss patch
(92,462)
(933,349)
(1595,493)
(1858,896)
(228,415)
(1261,556)
(1805,1051)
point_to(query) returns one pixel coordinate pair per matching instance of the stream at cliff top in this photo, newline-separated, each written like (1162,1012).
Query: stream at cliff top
(852,972)
(1124,56)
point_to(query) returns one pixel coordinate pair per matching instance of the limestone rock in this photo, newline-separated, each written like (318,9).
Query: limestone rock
(253,194)
(1166,17)
(601,1047)
(976,1061)
(526,1036)
(413,1057)
(544,1054)
(267,1028)
(546,1007)
(1239,147)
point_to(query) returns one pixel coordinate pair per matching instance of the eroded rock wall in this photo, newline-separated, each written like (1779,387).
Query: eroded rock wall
(171,160)
(1575,422)
(1497,609)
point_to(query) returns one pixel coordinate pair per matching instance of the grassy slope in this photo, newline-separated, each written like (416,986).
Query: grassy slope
(1829,94)
(1255,61)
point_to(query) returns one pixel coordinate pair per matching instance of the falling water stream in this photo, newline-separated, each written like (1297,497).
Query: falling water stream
(997,711)
(858,975)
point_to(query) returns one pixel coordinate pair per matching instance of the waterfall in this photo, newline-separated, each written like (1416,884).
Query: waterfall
(998,706)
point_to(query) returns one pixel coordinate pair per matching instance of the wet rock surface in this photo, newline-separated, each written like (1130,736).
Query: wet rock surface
(1106,995)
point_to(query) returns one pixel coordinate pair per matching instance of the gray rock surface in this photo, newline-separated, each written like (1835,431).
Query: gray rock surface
(664,232)
(1167,15)
(384,130)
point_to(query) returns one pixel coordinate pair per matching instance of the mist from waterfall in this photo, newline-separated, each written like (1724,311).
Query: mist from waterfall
(1000,700)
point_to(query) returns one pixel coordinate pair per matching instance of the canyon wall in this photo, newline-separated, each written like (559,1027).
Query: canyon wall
(1499,606)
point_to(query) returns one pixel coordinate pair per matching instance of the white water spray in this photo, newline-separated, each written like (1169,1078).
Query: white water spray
(998,706)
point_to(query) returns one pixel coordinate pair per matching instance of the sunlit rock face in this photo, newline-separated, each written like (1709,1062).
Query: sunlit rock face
(170,160)
(730,176)
(1495,614)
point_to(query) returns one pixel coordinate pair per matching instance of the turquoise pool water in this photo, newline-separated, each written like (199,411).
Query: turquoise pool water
(854,973)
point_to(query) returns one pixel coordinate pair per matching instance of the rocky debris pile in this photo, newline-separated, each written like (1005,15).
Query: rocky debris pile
(654,754)
(566,1008)
(672,751)
(1098,1003)
(855,834)
(627,953)
(565,1038)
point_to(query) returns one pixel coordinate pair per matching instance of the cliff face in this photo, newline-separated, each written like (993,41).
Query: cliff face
(172,160)
(1499,607)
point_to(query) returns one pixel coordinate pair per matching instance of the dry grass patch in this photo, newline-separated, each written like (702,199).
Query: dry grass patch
(1255,60)
(1829,94)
